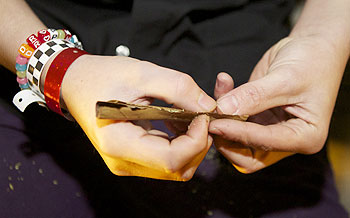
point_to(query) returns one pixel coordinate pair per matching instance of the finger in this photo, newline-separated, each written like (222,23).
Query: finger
(125,168)
(256,96)
(224,83)
(132,143)
(176,88)
(295,135)
(247,161)
(196,140)
(188,171)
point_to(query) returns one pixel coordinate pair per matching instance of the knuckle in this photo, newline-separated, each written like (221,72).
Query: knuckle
(106,145)
(244,137)
(184,83)
(170,167)
(116,172)
(289,84)
(113,168)
(169,164)
(187,176)
(254,94)
(249,168)
(145,64)
(200,144)
(313,140)
(317,142)
(106,148)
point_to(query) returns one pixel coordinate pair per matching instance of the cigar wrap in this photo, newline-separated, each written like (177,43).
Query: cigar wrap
(118,110)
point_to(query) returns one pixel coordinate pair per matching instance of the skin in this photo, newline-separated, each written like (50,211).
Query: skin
(129,149)
(291,92)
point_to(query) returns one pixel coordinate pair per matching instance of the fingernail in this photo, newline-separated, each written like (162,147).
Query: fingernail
(214,130)
(219,84)
(206,103)
(228,105)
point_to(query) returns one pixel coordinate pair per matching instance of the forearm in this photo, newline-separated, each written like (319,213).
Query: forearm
(17,22)
(328,20)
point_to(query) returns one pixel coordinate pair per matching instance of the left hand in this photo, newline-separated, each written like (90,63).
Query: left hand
(290,98)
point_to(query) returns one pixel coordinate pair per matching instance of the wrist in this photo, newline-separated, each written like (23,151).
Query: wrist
(55,75)
(326,22)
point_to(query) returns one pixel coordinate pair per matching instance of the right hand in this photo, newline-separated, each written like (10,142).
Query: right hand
(129,149)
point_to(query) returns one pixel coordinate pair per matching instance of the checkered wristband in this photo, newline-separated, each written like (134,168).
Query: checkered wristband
(39,59)
(39,49)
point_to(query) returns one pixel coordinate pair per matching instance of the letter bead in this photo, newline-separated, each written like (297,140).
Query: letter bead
(53,33)
(25,50)
(68,34)
(44,36)
(33,41)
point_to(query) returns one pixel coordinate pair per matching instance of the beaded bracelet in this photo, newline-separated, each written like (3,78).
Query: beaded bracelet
(31,60)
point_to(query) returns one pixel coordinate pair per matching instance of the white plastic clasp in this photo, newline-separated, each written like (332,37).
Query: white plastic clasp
(24,98)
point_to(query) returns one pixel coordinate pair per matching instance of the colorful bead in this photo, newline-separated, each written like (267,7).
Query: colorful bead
(25,50)
(44,36)
(21,67)
(68,34)
(53,33)
(22,80)
(61,34)
(21,74)
(21,60)
(31,61)
(24,86)
(33,41)
(76,42)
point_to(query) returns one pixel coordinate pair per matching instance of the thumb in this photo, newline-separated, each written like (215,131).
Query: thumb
(255,96)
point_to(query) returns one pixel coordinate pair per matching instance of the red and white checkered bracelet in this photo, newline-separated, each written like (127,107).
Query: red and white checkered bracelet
(31,61)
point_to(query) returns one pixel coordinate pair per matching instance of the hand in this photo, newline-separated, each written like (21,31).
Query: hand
(290,97)
(137,150)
